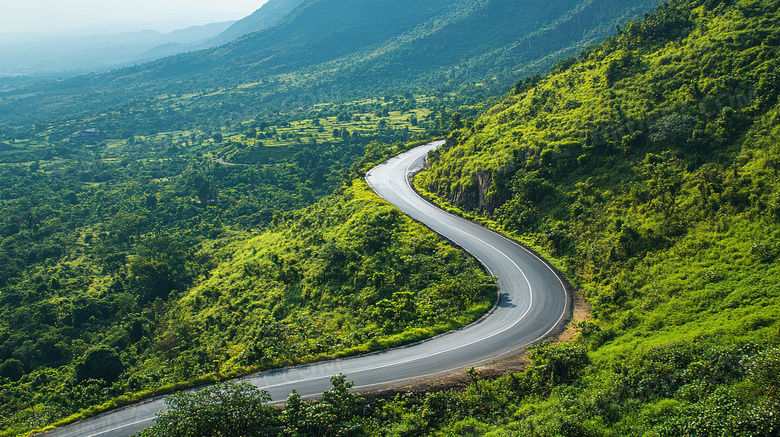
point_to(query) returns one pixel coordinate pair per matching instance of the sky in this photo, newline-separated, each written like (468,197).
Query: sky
(51,16)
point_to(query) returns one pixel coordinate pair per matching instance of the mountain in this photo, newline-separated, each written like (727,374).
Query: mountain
(65,55)
(360,48)
(647,167)
(386,37)
(268,15)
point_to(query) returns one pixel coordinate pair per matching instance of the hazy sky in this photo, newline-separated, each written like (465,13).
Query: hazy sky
(19,16)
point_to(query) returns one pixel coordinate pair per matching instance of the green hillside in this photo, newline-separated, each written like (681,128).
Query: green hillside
(647,166)
(131,315)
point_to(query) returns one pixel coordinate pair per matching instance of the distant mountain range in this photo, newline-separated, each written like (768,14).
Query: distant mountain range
(74,53)
(64,55)
(407,40)
(268,15)
(362,47)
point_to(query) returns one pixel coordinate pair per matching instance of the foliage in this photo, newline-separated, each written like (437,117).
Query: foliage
(233,409)
(227,409)
(563,362)
(655,194)
(338,413)
(145,299)
(100,363)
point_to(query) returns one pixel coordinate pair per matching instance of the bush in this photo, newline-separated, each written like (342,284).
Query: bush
(12,369)
(562,362)
(101,362)
(764,252)
(227,409)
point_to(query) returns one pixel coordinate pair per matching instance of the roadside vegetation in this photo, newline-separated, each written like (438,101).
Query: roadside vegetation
(105,240)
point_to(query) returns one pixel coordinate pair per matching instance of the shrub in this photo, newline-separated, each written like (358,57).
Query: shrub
(101,362)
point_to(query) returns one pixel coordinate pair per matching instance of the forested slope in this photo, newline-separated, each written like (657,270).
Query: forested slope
(347,275)
(648,167)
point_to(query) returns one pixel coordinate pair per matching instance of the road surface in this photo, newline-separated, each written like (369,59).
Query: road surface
(533,302)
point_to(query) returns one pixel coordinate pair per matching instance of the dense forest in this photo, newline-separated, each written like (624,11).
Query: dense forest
(104,240)
(647,166)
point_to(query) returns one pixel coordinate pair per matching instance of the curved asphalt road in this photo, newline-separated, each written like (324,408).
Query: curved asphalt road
(533,302)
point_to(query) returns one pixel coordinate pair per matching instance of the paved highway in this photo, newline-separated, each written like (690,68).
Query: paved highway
(533,302)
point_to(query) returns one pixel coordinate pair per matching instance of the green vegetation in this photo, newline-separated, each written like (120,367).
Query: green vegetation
(647,167)
(157,291)
(542,400)
(239,409)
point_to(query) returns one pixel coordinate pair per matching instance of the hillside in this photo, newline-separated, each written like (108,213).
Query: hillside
(271,13)
(647,166)
(355,46)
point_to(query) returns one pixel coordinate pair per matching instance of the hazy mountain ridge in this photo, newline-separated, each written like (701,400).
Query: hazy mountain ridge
(72,53)
(267,16)
(327,30)
(63,55)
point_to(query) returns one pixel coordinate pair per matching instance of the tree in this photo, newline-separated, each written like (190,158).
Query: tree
(337,414)
(456,122)
(228,409)
(12,369)
(674,130)
(664,176)
(150,279)
(203,187)
(101,362)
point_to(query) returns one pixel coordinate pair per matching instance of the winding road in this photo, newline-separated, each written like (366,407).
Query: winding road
(533,303)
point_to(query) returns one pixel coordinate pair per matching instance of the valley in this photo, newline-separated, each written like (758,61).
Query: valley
(632,146)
